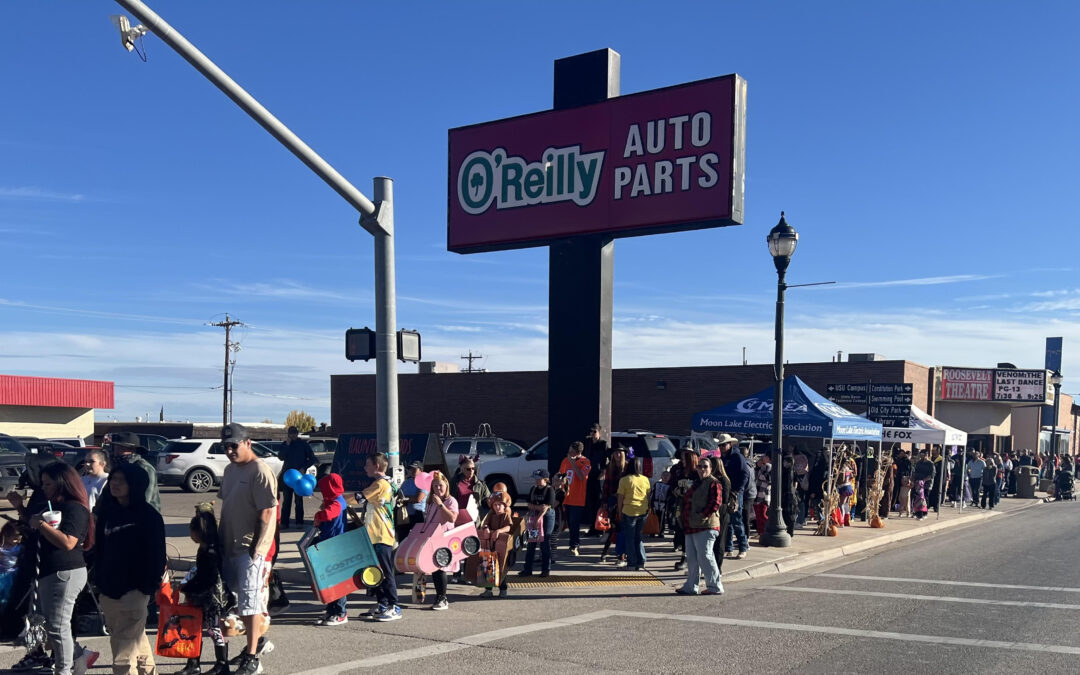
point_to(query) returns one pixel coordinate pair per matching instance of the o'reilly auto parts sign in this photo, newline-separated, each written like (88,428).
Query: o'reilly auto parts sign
(660,161)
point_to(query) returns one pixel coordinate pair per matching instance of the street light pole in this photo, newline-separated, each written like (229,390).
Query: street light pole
(782,240)
(375,217)
(1055,380)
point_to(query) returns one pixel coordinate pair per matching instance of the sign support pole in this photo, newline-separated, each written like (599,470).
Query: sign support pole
(581,271)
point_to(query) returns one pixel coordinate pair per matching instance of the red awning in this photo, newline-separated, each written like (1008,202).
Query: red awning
(55,392)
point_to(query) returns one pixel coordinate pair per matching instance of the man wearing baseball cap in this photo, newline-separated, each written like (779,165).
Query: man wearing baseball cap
(248,513)
(542,520)
(126,448)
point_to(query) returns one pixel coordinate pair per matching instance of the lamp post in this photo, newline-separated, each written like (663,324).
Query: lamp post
(782,240)
(1056,380)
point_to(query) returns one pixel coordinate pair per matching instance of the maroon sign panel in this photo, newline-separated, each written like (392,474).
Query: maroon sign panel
(659,161)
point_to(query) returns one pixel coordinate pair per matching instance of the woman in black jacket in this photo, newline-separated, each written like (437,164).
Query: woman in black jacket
(129,567)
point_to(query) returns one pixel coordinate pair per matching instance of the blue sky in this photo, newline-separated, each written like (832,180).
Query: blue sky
(925,151)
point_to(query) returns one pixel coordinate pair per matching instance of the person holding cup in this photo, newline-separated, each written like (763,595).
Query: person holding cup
(63,532)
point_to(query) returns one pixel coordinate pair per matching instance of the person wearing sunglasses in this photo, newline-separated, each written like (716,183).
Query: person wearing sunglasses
(466,482)
(248,521)
(701,522)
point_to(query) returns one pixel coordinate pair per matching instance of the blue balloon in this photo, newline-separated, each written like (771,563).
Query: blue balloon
(305,487)
(292,477)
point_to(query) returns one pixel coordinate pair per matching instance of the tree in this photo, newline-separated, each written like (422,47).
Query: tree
(301,420)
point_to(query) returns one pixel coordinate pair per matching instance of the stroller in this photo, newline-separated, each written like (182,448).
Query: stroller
(1063,487)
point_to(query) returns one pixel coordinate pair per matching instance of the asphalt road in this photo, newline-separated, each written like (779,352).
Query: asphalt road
(999,596)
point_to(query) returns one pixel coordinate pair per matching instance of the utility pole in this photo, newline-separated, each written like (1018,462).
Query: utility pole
(470,358)
(230,347)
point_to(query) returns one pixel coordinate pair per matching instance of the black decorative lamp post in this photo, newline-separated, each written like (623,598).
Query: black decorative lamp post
(782,241)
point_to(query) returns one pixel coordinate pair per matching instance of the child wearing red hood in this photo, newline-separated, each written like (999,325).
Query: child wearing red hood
(330,520)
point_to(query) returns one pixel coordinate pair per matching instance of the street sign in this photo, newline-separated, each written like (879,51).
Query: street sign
(664,160)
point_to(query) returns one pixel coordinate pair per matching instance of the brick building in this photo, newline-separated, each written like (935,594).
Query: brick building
(659,399)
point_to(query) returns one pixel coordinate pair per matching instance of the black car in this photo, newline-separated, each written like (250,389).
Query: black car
(12,462)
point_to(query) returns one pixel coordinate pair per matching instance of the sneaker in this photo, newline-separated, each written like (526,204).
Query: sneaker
(335,620)
(321,621)
(502,592)
(742,554)
(681,564)
(263,646)
(440,605)
(621,563)
(525,573)
(574,551)
(84,659)
(680,591)
(37,660)
(488,593)
(708,592)
(391,614)
(374,611)
(545,574)
(249,665)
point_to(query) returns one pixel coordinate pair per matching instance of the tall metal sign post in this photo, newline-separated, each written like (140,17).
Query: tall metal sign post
(596,167)
(377,218)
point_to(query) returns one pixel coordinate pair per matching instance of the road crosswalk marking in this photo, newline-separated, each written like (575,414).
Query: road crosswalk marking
(929,598)
(974,584)
(491,636)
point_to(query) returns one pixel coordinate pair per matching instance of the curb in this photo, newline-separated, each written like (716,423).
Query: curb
(802,560)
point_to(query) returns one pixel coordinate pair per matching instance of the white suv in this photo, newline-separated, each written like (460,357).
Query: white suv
(197,464)
(655,450)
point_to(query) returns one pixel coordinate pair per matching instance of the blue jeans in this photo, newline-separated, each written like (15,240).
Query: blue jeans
(386,591)
(573,520)
(701,560)
(548,524)
(635,547)
(337,607)
(736,531)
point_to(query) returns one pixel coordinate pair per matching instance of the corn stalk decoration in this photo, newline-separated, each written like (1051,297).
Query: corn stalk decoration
(877,490)
(831,501)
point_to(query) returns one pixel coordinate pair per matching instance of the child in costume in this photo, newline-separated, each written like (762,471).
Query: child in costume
(10,546)
(204,588)
(330,519)
(442,507)
(660,494)
(495,538)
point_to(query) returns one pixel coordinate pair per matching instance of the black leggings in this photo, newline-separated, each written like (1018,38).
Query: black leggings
(718,543)
(438,577)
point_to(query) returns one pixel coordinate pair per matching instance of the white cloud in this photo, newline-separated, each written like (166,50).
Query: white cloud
(921,281)
(40,194)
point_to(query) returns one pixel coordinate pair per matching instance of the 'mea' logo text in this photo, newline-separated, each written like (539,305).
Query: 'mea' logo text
(565,174)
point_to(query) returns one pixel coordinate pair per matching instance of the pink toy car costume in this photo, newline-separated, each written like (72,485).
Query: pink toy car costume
(438,546)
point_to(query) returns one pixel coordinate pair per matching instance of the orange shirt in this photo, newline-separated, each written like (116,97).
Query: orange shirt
(577,472)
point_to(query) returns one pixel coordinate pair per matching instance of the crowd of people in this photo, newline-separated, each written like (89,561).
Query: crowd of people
(102,532)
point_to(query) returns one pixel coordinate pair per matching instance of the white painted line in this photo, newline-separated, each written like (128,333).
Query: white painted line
(458,644)
(975,584)
(929,598)
(502,634)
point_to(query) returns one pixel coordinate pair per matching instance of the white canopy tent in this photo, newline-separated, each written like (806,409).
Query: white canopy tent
(925,429)
(922,428)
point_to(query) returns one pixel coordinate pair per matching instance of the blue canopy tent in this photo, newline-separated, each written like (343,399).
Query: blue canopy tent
(806,413)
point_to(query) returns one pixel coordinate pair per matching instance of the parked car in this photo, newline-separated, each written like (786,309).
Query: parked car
(73,441)
(12,462)
(40,447)
(482,448)
(655,450)
(514,470)
(197,464)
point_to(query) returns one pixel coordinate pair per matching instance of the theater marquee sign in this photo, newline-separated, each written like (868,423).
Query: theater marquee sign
(994,385)
(660,161)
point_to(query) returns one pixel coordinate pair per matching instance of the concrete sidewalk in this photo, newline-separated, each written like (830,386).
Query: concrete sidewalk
(586,570)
